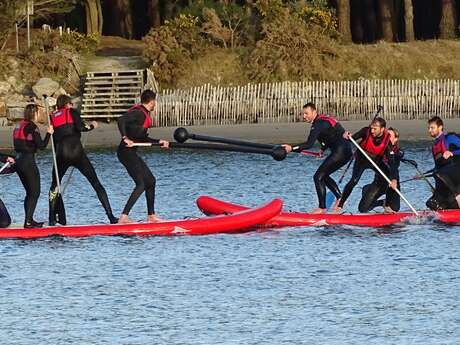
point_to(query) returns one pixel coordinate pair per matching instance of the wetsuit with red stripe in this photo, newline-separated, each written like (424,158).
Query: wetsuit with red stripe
(68,126)
(27,140)
(381,151)
(447,172)
(328,132)
(134,125)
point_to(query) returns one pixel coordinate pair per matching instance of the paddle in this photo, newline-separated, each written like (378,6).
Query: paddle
(330,197)
(382,173)
(57,192)
(421,174)
(278,153)
(4,166)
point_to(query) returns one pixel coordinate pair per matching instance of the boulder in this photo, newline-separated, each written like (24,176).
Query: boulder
(59,92)
(15,113)
(45,86)
(4,87)
(16,85)
(2,109)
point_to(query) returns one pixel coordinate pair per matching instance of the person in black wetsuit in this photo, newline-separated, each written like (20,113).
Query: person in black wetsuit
(446,155)
(379,186)
(375,141)
(5,219)
(68,126)
(134,126)
(329,133)
(27,140)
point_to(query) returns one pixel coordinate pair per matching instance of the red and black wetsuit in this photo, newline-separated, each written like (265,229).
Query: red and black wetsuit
(134,125)
(27,140)
(329,133)
(68,126)
(380,150)
(379,187)
(447,172)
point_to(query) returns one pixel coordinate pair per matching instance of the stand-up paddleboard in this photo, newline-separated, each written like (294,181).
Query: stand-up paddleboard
(234,223)
(212,206)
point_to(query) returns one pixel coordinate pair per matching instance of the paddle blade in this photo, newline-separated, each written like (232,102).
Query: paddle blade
(330,199)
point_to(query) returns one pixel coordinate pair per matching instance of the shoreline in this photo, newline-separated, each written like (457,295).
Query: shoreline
(107,135)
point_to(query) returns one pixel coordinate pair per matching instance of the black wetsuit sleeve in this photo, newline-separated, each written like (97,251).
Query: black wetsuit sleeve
(127,120)
(40,143)
(361,134)
(316,129)
(392,162)
(80,125)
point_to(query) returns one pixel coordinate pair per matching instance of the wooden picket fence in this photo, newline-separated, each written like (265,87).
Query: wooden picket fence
(282,102)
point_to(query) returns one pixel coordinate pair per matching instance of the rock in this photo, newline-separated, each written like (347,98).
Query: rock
(4,122)
(2,109)
(45,86)
(59,92)
(77,102)
(15,113)
(4,87)
(13,64)
(16,85)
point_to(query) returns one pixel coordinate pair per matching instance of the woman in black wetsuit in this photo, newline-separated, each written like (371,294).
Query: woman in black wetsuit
(27,140)
(5,219)
(133,128)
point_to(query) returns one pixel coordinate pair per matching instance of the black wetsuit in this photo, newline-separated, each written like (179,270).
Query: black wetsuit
(330,136)
(386,163)
(26,166)
(379,187)
(446,174)
(5,219)
(70,152)
(133,126)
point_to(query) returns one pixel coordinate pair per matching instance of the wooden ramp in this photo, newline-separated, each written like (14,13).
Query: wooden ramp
(108,95)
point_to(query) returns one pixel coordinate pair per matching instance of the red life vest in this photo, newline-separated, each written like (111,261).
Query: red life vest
(439,147)
(18,132)
(147,120)
(329,119)
(61,117)
(375,150)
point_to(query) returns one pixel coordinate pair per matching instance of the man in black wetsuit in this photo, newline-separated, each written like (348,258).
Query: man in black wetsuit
(68,126)
(134,126)
(379,186)
(329,133)
(375,141)
(27,140)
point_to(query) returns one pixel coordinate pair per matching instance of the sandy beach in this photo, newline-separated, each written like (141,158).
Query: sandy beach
(107,134)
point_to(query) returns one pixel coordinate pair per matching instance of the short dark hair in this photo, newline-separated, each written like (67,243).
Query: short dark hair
(62,100)
(437,120)
(309,105)
(29,111)
(381,121)
(147,96)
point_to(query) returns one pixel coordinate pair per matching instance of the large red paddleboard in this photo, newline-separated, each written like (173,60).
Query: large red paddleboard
(214,206)
(234,223)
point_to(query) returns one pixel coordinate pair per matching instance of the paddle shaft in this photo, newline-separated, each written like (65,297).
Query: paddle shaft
(421,174)
(382,173)
(230,141)
(56,172)
(4,166)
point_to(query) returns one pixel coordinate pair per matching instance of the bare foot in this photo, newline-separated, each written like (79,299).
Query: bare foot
(124,219)
(336,204)
(458,200)
(337,210)
(151,218)
(388,209)
(318,211)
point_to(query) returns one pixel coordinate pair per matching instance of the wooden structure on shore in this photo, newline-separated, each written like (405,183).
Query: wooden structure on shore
(282,102)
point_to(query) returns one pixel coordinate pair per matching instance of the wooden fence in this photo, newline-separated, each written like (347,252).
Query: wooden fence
(282,102)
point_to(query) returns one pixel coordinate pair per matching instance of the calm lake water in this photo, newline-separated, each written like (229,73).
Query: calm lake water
(335,285)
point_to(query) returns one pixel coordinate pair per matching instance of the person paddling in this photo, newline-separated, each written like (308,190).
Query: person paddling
(134,126)
(373,191)
(329,132)
(27,140)
(68,127)
(446,155)
(375,141)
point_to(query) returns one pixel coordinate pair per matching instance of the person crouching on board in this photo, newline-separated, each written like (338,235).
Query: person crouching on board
(27,141)
(5,219)
(446,155)
(375,141)
(134,126)
(328,132)
(379,186)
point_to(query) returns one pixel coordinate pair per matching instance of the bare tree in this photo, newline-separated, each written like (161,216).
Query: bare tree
(447,26)
(386,12)
(343,14)
(409,20)
(155,13)
(94,18)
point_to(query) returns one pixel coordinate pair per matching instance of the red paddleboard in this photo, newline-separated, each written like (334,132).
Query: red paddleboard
(234,223)
(214,206)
